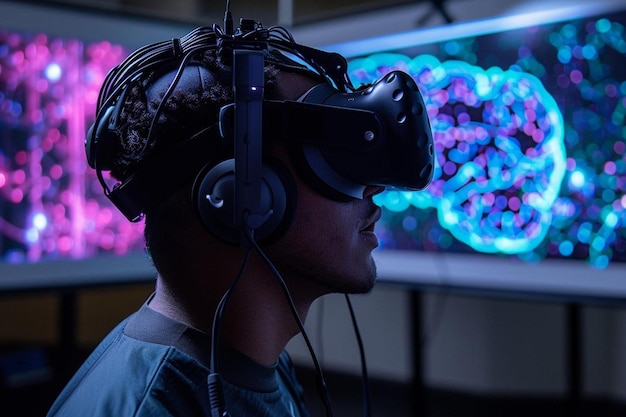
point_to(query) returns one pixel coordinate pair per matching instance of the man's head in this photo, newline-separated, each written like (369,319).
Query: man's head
(163,125)
(191,113)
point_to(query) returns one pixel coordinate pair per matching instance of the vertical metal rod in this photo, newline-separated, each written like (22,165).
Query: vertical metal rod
(418,405)
(68,334)
(574,359)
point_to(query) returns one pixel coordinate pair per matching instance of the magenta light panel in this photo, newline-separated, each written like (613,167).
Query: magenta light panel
(51,205)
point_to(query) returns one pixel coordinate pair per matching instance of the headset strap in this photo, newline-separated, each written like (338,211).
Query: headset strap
(313,124)
(160,176)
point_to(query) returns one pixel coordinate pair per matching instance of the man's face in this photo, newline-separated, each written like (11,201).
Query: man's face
(330,243)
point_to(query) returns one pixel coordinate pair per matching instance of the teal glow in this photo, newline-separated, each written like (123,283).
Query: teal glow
(611,220)
(577,179)
(603,25)
(566,248)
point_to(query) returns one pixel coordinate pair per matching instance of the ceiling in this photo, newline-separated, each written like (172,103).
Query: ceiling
(268,12)
(314,22)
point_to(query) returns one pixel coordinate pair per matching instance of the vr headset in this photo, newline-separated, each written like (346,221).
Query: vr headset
(347,138)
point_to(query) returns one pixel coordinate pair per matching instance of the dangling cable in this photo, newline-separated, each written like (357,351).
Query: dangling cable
(214,380)
(219,312)
(364,377)
(322,387)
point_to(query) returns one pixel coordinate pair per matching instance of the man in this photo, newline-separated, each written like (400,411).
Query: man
(231,291)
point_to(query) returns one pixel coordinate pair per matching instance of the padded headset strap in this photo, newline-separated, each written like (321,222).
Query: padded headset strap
(162,175)
(313,124)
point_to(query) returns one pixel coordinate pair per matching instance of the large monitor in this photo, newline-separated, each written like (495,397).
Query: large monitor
(57,229)
(529,121)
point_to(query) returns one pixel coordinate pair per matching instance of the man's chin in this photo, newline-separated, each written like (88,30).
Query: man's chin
(361,285)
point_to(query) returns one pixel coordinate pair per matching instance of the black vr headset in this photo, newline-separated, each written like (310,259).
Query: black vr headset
(346,138)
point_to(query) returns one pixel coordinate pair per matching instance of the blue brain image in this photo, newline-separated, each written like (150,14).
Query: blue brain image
(499,146)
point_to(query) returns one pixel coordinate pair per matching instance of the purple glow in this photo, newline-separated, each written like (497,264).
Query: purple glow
(54,207)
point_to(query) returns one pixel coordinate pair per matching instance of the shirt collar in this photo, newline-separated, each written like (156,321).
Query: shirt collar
(235,367)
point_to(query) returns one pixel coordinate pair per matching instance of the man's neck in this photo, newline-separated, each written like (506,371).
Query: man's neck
(257,320)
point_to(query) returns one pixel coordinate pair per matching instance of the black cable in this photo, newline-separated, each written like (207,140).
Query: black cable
(440,6)
(219,311)
(180,52)
(216,395)
(162,103)
(322,387)
(228,20)
(367,409)
(214,379)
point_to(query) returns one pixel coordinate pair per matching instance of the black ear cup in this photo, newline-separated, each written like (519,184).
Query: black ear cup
(102,142)
(214,194)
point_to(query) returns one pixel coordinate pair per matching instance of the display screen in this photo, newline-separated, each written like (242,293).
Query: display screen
(530,139)
(529,127)
(51,205)
(56,224)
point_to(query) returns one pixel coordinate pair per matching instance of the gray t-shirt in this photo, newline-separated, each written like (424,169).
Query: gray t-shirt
(151,365)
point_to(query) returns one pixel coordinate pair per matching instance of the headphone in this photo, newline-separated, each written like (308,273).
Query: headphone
(245,198)
(214,195)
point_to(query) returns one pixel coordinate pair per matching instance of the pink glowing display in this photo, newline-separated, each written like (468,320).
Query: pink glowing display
(51,204)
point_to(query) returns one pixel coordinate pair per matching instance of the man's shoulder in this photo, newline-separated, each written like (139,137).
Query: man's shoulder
(125,376)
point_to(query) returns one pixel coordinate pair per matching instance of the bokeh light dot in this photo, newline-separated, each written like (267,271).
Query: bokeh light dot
(64,244)
(577,179)
(514,203)
(16,195)
(566,248)
(32,235)
(21,157)
(600,262)
(53,71)
(603,25)
(409,223)
(56,171)
(576,76)
(611,219)
(610,167)
(608,195)
(40,221)
(589,52)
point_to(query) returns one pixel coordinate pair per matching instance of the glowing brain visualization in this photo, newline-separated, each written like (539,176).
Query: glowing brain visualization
(500,157)
(530,140)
